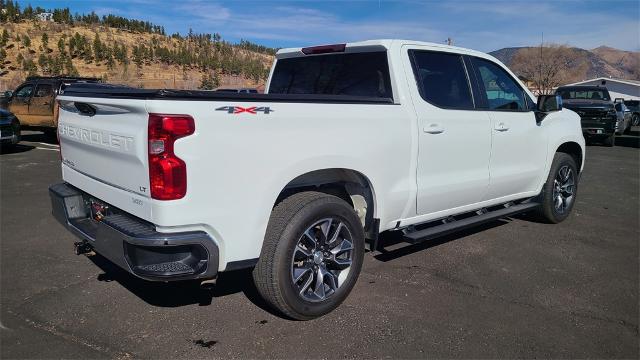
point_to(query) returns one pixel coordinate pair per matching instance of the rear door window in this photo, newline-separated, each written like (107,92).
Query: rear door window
(356,74)
(442,79)
(43,90)
(502,91)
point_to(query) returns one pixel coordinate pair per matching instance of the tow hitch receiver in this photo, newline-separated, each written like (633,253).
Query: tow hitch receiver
(81,247)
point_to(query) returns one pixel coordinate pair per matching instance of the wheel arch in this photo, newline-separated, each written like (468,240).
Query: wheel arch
(574,150)
(348,184)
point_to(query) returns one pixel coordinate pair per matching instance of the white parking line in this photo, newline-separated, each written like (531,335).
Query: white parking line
(54,145)
(50,149)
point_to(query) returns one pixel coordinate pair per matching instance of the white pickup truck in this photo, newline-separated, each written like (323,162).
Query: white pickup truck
(351,140)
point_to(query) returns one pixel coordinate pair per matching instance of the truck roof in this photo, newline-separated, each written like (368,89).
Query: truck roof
(386,44)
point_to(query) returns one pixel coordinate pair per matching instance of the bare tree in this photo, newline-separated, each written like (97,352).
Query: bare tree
(546,67)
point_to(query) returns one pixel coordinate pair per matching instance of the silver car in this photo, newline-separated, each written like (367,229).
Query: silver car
(623,125)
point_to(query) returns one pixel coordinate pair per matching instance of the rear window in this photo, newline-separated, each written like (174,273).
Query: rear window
(584,93)
(356,74)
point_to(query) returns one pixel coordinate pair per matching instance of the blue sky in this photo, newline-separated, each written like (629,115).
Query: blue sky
(482,25)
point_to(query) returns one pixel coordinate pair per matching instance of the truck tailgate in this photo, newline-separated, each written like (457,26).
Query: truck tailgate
(109,146)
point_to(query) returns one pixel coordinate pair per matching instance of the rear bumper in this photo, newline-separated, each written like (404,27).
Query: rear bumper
(133,244)
(599,128)
(593,132)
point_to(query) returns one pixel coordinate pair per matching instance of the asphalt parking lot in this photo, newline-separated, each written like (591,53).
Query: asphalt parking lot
(512,288)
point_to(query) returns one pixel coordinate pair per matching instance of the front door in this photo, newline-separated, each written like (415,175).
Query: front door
(454,139)
(19,104)
(519,146)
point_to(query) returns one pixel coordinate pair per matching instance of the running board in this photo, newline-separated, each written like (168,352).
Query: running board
(450,225)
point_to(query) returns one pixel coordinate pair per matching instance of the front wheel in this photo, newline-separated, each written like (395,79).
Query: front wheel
(312,255)
(559,192)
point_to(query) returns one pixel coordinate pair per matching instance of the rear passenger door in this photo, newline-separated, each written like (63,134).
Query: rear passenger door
(41,105)
(519,144)
(454,138)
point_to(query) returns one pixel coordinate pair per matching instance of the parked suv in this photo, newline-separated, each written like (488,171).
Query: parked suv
(597,113)
(33,102)
(351,140)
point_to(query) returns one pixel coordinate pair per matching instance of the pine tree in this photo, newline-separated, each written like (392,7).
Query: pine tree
(61,47)
(4,38)
(26,41)
(43,63)
(45,41)
(209,81)
(98,48)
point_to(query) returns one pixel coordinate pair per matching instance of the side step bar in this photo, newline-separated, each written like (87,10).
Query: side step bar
(450,225)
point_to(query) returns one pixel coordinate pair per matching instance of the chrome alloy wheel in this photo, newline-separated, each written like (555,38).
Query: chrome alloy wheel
(322,259)
(563,189)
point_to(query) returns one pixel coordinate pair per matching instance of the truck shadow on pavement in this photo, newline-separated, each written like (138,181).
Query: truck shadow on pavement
(181,293)
(40,137)
(15,149)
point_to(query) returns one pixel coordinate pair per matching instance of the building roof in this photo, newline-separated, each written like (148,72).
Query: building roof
(625,81)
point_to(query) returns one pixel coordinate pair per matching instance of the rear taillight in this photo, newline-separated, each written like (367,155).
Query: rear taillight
(167,172)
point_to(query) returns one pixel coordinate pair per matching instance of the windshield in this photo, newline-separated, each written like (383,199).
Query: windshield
(355,74)
(591,94)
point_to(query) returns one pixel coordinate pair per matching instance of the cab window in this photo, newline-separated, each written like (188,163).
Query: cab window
(501,90)
(24,93)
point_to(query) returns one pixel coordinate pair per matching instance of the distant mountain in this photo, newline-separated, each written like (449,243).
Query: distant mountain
(602,61)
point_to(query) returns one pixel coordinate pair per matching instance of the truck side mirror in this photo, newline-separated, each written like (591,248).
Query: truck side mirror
(547,104)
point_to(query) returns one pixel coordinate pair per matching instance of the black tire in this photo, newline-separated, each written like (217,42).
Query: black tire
(610,141)
(17,130)
(273,275)
(548,210)
(51,135)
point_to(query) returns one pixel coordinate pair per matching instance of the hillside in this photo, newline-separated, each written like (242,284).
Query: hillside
(145,57)
(587,64)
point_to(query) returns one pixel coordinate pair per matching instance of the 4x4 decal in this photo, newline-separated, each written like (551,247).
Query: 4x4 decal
(251,110)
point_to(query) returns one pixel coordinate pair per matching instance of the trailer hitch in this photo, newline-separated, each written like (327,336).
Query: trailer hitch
(81,247)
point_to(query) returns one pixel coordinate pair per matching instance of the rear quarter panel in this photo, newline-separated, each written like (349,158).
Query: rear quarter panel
(237,164)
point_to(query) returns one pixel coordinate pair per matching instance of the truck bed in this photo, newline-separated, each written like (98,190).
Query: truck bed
(123,92)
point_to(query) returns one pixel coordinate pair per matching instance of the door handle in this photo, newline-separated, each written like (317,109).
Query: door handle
(433,129)
(501,126)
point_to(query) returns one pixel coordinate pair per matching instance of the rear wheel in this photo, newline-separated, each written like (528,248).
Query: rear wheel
(311,256)
(559,192)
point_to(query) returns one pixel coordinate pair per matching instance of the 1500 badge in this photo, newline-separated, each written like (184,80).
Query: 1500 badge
(250,110)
